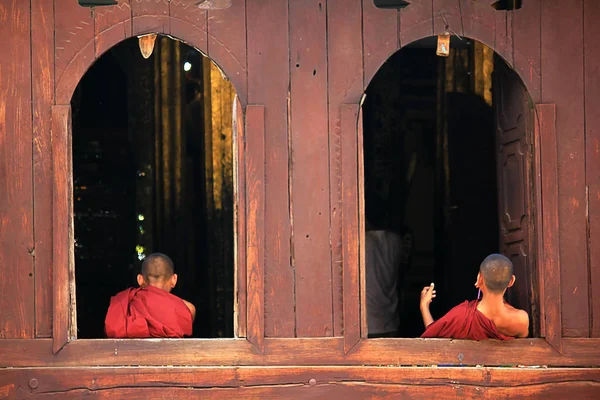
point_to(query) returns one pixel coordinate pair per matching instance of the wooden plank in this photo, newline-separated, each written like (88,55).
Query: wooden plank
(345,86)
(283,351)
(114,22)
(592,140)
(42,49)
(350,223)
(227,45)
(447,11)
(550,259)
(255,235)
(380,38)
(189,23)
(310,168)
(150,16)
(268,84)
(487,381)
(538,222)
(239,151)
(74,31)
(63,276)
(416,22)
(527,47)
(16,171)
(562,50)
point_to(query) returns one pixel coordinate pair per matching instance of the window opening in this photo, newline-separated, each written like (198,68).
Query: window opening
(153,172)
(435,168)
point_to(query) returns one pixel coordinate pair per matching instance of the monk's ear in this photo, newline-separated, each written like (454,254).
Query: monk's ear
(140,280)
(512,281)
(173,280)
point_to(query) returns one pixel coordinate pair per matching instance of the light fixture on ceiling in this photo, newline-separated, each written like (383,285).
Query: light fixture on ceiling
(214,4)
(507,5)
(395,4)
(147,44)
(96,3)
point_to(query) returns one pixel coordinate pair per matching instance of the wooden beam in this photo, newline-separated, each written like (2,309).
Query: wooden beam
(255,223)
(62,227)
(309,351)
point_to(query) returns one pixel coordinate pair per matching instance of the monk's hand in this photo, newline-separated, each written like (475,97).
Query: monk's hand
(427,295)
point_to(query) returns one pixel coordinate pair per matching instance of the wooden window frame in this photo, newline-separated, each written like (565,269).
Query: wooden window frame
(545,222)
(249,234)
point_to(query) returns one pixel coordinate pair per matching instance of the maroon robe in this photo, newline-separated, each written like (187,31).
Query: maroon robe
(464,322)
(147,313)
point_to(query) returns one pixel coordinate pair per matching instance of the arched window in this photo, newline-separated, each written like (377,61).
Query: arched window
(448,172)
(153,171)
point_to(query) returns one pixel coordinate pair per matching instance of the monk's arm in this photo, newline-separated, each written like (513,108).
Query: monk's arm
(426,314)
(191,307)
(524,323)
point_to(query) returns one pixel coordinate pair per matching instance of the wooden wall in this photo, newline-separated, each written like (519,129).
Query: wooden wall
(302,61)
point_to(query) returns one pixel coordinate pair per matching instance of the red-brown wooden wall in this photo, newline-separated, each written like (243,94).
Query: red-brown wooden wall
(301,60)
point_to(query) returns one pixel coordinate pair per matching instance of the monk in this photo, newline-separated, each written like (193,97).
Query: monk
(150,311)
(490,318)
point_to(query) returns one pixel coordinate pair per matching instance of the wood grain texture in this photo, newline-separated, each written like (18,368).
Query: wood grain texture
(416,22)
(562,50)
(451,11)
(309,351)
(550,259)
(116,24)
(149,16)
(239,151)
(255,234)
(17,250)
(294,382)
(42,45)
(344,49)
(310,168)
(380,38)
(350,223)
(63,276)
(527,47)
(592,141)
(227,45)
(268,84)
(479,22)
(189,23)
(74,31)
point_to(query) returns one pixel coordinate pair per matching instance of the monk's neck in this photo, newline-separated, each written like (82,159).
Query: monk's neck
(491,304)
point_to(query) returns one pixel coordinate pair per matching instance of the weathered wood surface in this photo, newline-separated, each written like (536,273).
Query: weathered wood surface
(380,38)
(345,74)
(255,234)
(268,62)
(42,72)
(562,50)
(310,168)
(300,382)
(17,250)
(550,257)
(592,139)
(308,351)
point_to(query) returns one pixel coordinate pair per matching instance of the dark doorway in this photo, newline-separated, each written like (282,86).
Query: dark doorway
(153,172)
(438,171)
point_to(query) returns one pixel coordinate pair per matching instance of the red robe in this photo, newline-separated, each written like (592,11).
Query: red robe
(464,322)
(147,313)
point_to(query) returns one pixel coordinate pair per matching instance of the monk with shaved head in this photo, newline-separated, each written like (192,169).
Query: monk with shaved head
(150,310)
(490,318)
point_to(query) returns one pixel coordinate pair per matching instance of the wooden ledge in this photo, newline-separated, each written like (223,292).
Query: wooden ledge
(317,351)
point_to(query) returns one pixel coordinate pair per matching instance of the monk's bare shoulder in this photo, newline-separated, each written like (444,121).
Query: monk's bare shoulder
(520,325)
(191,308)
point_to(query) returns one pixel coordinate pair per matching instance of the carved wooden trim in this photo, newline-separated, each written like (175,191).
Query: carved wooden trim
(350,224)
(62,225)
(549,253)
(255,217)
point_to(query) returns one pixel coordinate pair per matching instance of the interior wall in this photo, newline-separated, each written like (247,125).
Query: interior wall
(552,47)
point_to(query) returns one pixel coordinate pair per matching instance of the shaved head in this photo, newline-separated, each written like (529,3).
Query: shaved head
(497,272)
(157,266)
